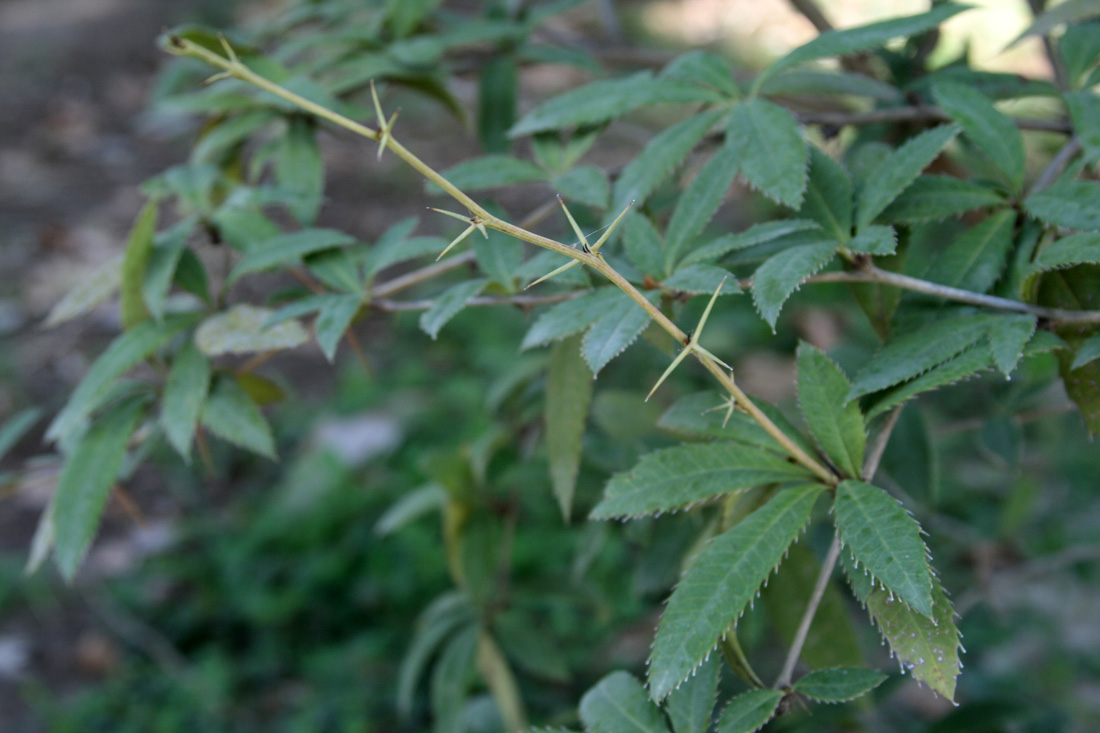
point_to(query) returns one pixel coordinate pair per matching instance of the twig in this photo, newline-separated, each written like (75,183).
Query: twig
(1037,568)
(130,506)
(916,114)
(1055,59)
(1057,164)
(870,466)
(813,14)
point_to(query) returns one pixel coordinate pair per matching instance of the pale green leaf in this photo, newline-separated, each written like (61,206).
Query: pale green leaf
(490,171)
(828,199)
(230,414)
(184,392)
(1084,112)
(221,137)
(837,427)
(586,184)
(448,304)
(780,275)
(564,319)
(288,249)
(917,351)
(609,98)
(750,711)
(839,684)
(801,82)
(885,539)
(244,329)
(1087,352)
(876,239)
(702,67)
(139,246)
(701,278)
(698,203)
(1079,48)
(993,132)
(975,259)
(720,583)
(938,197)
(299,168)
(863,38)
(85,482)
(758,234)
(899,169)
(1070,11)
(333,321)
(125,352)
(644,245)
(689,706)
(956,369)
(661,155)
(769,149)
(451,678)
(163,263)
(413,505)
(1007,338)
(673,478)
(442,619)
(618,704)
(568,394)
(1067,203)
(616,329)
(391,252)
(94,288)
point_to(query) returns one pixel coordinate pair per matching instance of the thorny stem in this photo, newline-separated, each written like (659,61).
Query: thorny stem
(870,466)
(235,68)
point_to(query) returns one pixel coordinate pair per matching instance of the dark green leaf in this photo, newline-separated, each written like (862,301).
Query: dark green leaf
(975,260)
(615,330)
(564,319)
(690,705)
(956,369)
(246,329)
(490,171)
(840,684)
(876,239)
(768,146)
(702,415)
(802,82)
(163,263)
(697,205)
(677,477)
(497,103)
(750,711)
(586,184)
(1067,203)
(1076,249)
(1084,111)
(451,679)
(138,248)
(828,199)
(1087,352)
(779,276)
(993,132)
(1007,338)
(230,414)
(288,249)
(721,582)
(885,539)
(758,234)
(1069,11)
(448,304)
(499,256)
(702,67)
(899,169)
(298,168)
(184,392)
(333,321)
(85,482)
(837,427)
(618,704)
(440,620)
(644,245)
(938,197)
(568,394)
(1079,48)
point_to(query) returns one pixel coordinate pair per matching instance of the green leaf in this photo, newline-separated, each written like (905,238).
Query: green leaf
(750,711)
(1084,112)
(184,392)
(616,329)
(918,351)
(451,679)
(230,414)
(702,67)
(780,275)
(163,263)
(499,256)
(863,38)
(1079,48)
(802,82)
(677,477)
(840,684)
(138,248)
(938,197)
(288,249)
(993,132)
(1076,288)
(125,352)
(440,620)
(975,260)
(1087,352)
(497,103)
(609,98)
(94,288)
(885,538)
(1076,249)
(700,278)
(1067,203)
(586,184)
(448,304)
(768,146)
(1069,11)
(837,427)
(298,168)
(928,648)
(85,482)
(490,171)
(702,415)
(899,169)
(565,319)
(618,704)
(410,507)
(244,329)
(876,239)
(661,155)
(690,705)
(15,427)
(956,369)
(758,234)
(644,245)
(828,199)
(697,205)
(568,394)
(391,252)
(333,321)
(1007,338)
(721,582)
(218,139)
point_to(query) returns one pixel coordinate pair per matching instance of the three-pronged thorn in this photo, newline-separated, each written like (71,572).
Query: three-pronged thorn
(691,344)
(585,247)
